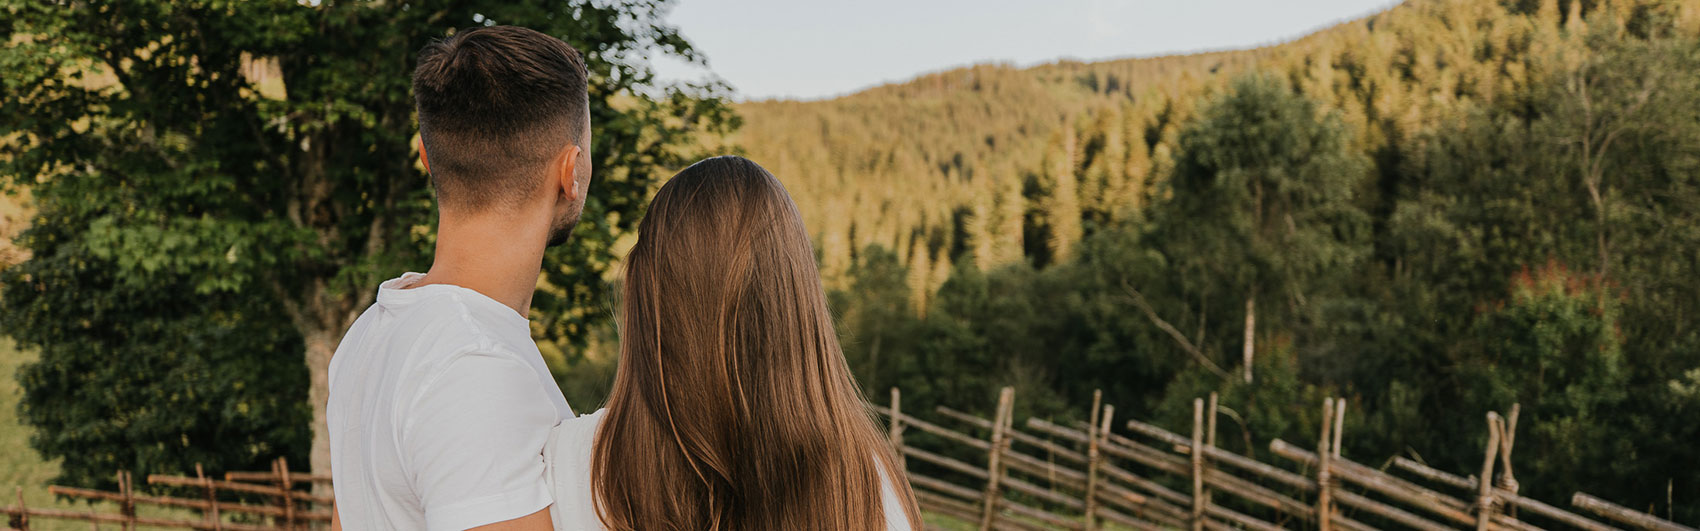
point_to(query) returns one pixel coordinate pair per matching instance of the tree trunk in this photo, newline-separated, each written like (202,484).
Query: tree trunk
(1250,331)
(1600,242)
(321,318)
(320,345)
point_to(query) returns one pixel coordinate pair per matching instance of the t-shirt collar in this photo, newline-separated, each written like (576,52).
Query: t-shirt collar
(396,292)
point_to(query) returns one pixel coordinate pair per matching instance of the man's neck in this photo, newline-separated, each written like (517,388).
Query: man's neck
(489,254)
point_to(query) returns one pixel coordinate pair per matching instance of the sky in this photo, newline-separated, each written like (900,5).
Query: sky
(809,49)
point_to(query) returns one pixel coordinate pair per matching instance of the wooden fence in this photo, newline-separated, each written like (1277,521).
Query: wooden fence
(289,508)
(1040,475)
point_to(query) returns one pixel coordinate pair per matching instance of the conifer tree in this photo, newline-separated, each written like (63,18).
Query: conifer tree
(1062,206)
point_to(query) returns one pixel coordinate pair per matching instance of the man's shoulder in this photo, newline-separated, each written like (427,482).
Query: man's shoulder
(427,336)
(461,317)
(414,340)
(455,318)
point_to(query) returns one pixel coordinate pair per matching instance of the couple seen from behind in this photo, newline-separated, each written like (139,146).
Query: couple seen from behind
(732,406)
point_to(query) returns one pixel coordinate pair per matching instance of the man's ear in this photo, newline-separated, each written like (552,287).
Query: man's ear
(567,165)
(422,158)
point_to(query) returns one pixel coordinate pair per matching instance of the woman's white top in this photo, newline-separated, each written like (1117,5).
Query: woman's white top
(567,463)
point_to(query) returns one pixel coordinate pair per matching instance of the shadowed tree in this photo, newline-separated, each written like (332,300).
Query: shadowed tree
(221,185)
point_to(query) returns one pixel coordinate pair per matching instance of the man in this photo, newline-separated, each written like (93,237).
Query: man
(440,403)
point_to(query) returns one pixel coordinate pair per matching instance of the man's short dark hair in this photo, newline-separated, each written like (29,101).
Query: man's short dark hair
(496,104)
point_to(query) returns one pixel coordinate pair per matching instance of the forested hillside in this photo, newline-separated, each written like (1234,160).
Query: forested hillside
(1435,211)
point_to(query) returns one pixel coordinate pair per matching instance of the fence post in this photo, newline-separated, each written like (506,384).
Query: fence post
(1508,436)
(1103,434)
(288,498)
(127,506)
(21,518)
(211,515)
(1484,498)
(1339,427)
(1210,425)
(994,465)
(1324,476)
(1198,497)
(1090,516)
(1210,438)
(897,430)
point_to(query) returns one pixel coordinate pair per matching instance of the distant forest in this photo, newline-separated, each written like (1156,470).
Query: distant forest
(1435,211)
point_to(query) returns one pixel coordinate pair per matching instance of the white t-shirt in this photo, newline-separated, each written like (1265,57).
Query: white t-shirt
(439,408)
(568,455)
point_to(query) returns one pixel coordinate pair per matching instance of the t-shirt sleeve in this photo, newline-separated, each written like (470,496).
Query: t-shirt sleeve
(473,445)
(896,517)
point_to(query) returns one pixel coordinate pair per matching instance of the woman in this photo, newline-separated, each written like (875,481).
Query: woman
(732,406)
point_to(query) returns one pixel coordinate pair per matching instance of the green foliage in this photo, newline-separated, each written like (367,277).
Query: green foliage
(1439,210)
(1279,404)
(1261,195)
(877,308)
(1259,207)
(154,377)
(1555,348)
(23,468)
(221,185)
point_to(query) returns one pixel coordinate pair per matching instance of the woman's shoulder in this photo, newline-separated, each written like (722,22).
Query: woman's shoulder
(891,503)
(582,425)
(567,467)
(572,441)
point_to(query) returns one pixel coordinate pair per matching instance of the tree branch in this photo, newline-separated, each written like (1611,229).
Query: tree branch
(1197,355)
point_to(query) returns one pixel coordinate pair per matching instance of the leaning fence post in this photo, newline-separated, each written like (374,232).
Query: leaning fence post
(1484,498)
(1508,436)
(1090,517)
(994,465)
(1198,496)
(897,430)
(1324,476)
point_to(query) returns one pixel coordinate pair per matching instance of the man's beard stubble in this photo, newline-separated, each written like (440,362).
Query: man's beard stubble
(562,229)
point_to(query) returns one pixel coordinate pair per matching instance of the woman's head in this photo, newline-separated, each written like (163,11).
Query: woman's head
(733,407)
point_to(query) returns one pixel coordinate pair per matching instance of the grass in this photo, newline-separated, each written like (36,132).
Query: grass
(932,521)
(20,465)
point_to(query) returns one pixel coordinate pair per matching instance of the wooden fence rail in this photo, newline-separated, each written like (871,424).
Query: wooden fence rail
(1038,474)
(1625,514)
(996,473)
(289,509)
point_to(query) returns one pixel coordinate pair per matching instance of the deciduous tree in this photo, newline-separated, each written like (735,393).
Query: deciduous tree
(228,181)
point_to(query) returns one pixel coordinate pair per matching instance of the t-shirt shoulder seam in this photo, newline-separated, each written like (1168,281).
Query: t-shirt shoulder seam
(480,342)
(462,313)
(463,310)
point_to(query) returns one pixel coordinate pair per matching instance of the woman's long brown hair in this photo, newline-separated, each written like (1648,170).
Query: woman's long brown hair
(733,407)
